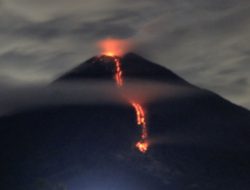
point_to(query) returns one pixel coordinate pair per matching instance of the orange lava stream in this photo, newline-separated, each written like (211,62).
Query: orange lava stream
(143,143)
(118,73)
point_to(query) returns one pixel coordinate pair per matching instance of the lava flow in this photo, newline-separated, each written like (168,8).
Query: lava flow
(118,72)
(114,49)
(143,143)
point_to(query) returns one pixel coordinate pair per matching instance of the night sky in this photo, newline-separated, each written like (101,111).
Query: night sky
(204,41)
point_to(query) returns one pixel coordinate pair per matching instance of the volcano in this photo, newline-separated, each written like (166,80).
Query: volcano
(199,140)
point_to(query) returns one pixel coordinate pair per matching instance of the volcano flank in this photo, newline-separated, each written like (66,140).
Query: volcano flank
(198,140)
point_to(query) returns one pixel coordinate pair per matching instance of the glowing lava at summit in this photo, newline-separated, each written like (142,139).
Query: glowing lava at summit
(114,47)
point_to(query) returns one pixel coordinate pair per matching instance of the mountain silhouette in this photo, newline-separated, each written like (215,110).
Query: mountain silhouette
(200,141)
(133,66)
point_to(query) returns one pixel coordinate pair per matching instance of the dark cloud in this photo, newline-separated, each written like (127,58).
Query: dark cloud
(63,27)
(100,30)
(13,56)
(42,31)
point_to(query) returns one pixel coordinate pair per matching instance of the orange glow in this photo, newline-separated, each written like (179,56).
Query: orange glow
(111,54)
(140,114)
(118,73)
(142,146)
(114,47)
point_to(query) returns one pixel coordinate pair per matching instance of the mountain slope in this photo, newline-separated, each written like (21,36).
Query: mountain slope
(199,140)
